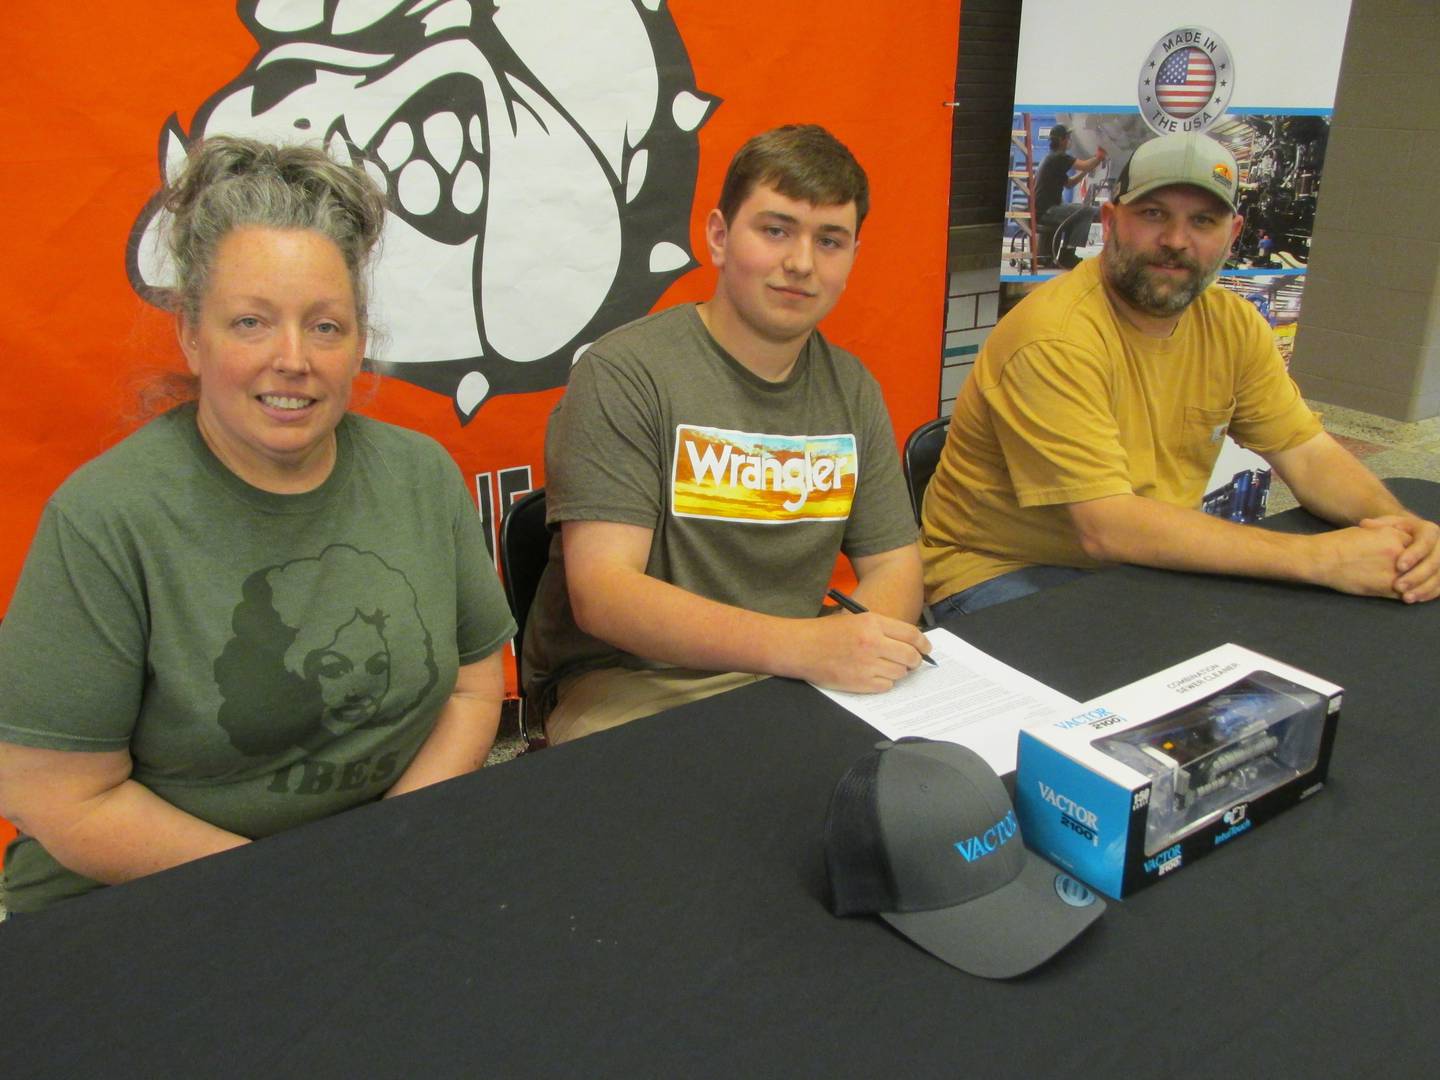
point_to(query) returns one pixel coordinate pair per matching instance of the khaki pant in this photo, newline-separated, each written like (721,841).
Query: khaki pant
(608,697)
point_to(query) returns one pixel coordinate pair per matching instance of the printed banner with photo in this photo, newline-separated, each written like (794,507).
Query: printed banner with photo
(549,165)
(1259,78)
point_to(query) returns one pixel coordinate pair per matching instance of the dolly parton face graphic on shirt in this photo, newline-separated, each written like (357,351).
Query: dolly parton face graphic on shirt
(322,647)
(352,672)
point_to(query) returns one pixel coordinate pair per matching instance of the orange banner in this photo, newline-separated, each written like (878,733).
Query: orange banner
(96,96)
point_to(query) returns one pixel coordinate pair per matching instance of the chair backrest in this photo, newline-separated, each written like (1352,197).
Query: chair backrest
(524,551)
(922,454)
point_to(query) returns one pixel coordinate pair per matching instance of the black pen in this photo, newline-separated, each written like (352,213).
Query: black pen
(850,604)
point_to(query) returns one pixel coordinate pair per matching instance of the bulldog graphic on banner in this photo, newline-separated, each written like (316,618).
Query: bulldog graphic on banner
(539,158)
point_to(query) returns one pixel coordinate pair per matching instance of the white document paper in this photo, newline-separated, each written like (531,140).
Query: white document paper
(970,698)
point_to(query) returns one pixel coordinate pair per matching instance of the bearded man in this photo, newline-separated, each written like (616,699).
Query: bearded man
(1089,427)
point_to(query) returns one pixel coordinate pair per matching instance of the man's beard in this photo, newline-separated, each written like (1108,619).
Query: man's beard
(1130,275)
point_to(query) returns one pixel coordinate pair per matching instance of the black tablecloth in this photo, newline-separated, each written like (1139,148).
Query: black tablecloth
(650,901)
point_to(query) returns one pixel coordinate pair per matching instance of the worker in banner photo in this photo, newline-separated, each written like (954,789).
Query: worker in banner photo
(1062,226)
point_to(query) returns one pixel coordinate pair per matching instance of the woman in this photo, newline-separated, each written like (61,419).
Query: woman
(259,609)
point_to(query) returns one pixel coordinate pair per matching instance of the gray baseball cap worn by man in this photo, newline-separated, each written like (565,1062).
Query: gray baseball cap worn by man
(1193,159)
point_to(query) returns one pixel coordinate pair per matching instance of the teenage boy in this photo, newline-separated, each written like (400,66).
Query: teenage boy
(708,463)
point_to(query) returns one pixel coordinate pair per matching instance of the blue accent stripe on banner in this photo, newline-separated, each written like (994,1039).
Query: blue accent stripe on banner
(1021,107)
(1277,110)
(1248,271)
(1257,271)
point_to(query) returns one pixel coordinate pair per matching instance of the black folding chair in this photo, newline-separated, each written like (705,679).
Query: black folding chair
(524,551)
(922,454)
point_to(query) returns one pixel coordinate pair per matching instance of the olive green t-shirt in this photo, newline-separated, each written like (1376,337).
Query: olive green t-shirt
(266,659)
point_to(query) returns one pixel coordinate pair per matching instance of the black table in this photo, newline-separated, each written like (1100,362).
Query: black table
(649,901)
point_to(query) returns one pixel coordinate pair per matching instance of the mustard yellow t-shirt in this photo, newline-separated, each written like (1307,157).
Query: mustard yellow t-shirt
(1068,402)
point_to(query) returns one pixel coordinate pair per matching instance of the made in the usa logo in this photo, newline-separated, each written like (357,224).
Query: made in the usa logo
(1186,82)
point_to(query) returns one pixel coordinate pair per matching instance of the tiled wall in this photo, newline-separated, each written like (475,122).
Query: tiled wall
(972,300)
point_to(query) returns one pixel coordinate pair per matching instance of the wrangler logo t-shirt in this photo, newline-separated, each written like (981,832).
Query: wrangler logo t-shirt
(729,475)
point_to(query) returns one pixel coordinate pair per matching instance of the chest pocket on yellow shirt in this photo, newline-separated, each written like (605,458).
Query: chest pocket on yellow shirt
(1202,434)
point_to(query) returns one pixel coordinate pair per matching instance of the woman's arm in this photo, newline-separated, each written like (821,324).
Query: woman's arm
(462,735)
(93,819)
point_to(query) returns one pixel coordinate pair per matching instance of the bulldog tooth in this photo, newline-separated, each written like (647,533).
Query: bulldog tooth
(377,174)
(397,146)
(471,392)
(289,16)
(689,110)
(468,189)
(418,188)
(666,256)
(445,138)
(635,179)
(176,151)
(338,147)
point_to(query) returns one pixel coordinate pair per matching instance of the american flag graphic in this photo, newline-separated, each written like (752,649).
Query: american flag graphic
(1185,82)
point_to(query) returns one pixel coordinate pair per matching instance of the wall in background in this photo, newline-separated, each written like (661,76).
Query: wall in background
(1370,339)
